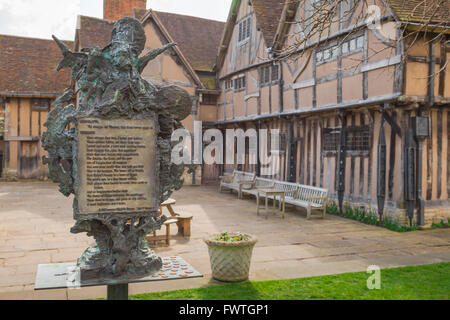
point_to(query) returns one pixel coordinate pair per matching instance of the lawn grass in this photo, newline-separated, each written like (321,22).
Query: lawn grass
(416,282)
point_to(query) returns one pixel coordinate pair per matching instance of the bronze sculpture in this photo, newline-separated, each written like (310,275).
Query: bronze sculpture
(111,88)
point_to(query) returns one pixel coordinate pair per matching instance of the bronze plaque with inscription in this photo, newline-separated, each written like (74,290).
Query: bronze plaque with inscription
(116,166)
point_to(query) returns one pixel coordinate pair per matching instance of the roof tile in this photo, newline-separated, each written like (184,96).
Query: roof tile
(268,13)
(94,32)
(197,38)
(420,11)
(28,65)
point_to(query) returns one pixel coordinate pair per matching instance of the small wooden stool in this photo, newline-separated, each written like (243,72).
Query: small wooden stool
(184,225)
(165,237)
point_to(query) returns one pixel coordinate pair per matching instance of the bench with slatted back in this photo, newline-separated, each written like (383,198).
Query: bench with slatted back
(310,198)
(238,181)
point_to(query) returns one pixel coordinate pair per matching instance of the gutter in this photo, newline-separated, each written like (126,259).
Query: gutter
(30,94)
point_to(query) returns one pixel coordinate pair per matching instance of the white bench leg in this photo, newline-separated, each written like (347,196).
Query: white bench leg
(308,212)
(257,204)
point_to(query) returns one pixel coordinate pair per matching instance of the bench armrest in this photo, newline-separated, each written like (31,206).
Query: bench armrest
(241,183)
(227,178)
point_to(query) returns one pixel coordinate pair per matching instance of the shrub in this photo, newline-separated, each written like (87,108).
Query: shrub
(368,217)
(2,125)
(231,237)
(441,224)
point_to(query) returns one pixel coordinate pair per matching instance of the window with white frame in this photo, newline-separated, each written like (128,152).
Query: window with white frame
(328,54)
(244,29)
(240,83)
(228,84)
(347,47)
(353,45)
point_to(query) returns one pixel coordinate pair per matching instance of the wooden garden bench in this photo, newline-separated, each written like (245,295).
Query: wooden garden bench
(308,197)
(237,181)
(165,237)
(183,223)
(259,183)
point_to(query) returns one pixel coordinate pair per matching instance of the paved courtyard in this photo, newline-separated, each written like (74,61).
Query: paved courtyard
(35,220)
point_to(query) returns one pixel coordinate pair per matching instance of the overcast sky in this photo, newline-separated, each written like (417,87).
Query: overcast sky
(42,18)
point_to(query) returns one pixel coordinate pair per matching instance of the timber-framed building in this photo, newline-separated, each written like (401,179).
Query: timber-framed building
(361,111)
(358,82)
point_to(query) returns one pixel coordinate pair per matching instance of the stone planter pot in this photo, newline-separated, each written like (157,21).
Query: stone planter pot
(230,261)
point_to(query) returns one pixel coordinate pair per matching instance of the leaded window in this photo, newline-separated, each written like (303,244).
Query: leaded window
(240,83)
(357,140)
(269,73)
(244,29)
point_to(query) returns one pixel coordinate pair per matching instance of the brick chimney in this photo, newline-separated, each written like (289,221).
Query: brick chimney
(115,9)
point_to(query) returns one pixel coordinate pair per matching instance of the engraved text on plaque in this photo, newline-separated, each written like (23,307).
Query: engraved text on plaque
(116,166)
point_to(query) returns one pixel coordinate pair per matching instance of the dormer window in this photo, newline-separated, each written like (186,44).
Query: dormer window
(244,29)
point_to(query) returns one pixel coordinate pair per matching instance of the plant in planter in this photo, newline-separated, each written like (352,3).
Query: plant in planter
(230,254)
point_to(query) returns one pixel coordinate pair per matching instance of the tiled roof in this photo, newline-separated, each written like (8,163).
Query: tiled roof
(93,32)
(197,38)
(28,66)
(268,14)
(420,11)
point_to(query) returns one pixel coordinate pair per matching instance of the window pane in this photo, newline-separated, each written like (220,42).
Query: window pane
(345,47)
(266,74)
(335,52)
(326,54)
(357,138)
(274,72)
(248,27)
(352,44)
(244,29)
(319,56)
(360,42)
(331,139)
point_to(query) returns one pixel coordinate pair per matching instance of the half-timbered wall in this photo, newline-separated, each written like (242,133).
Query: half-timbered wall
(362,74)
(24,125)
(166,68)
(243,59)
